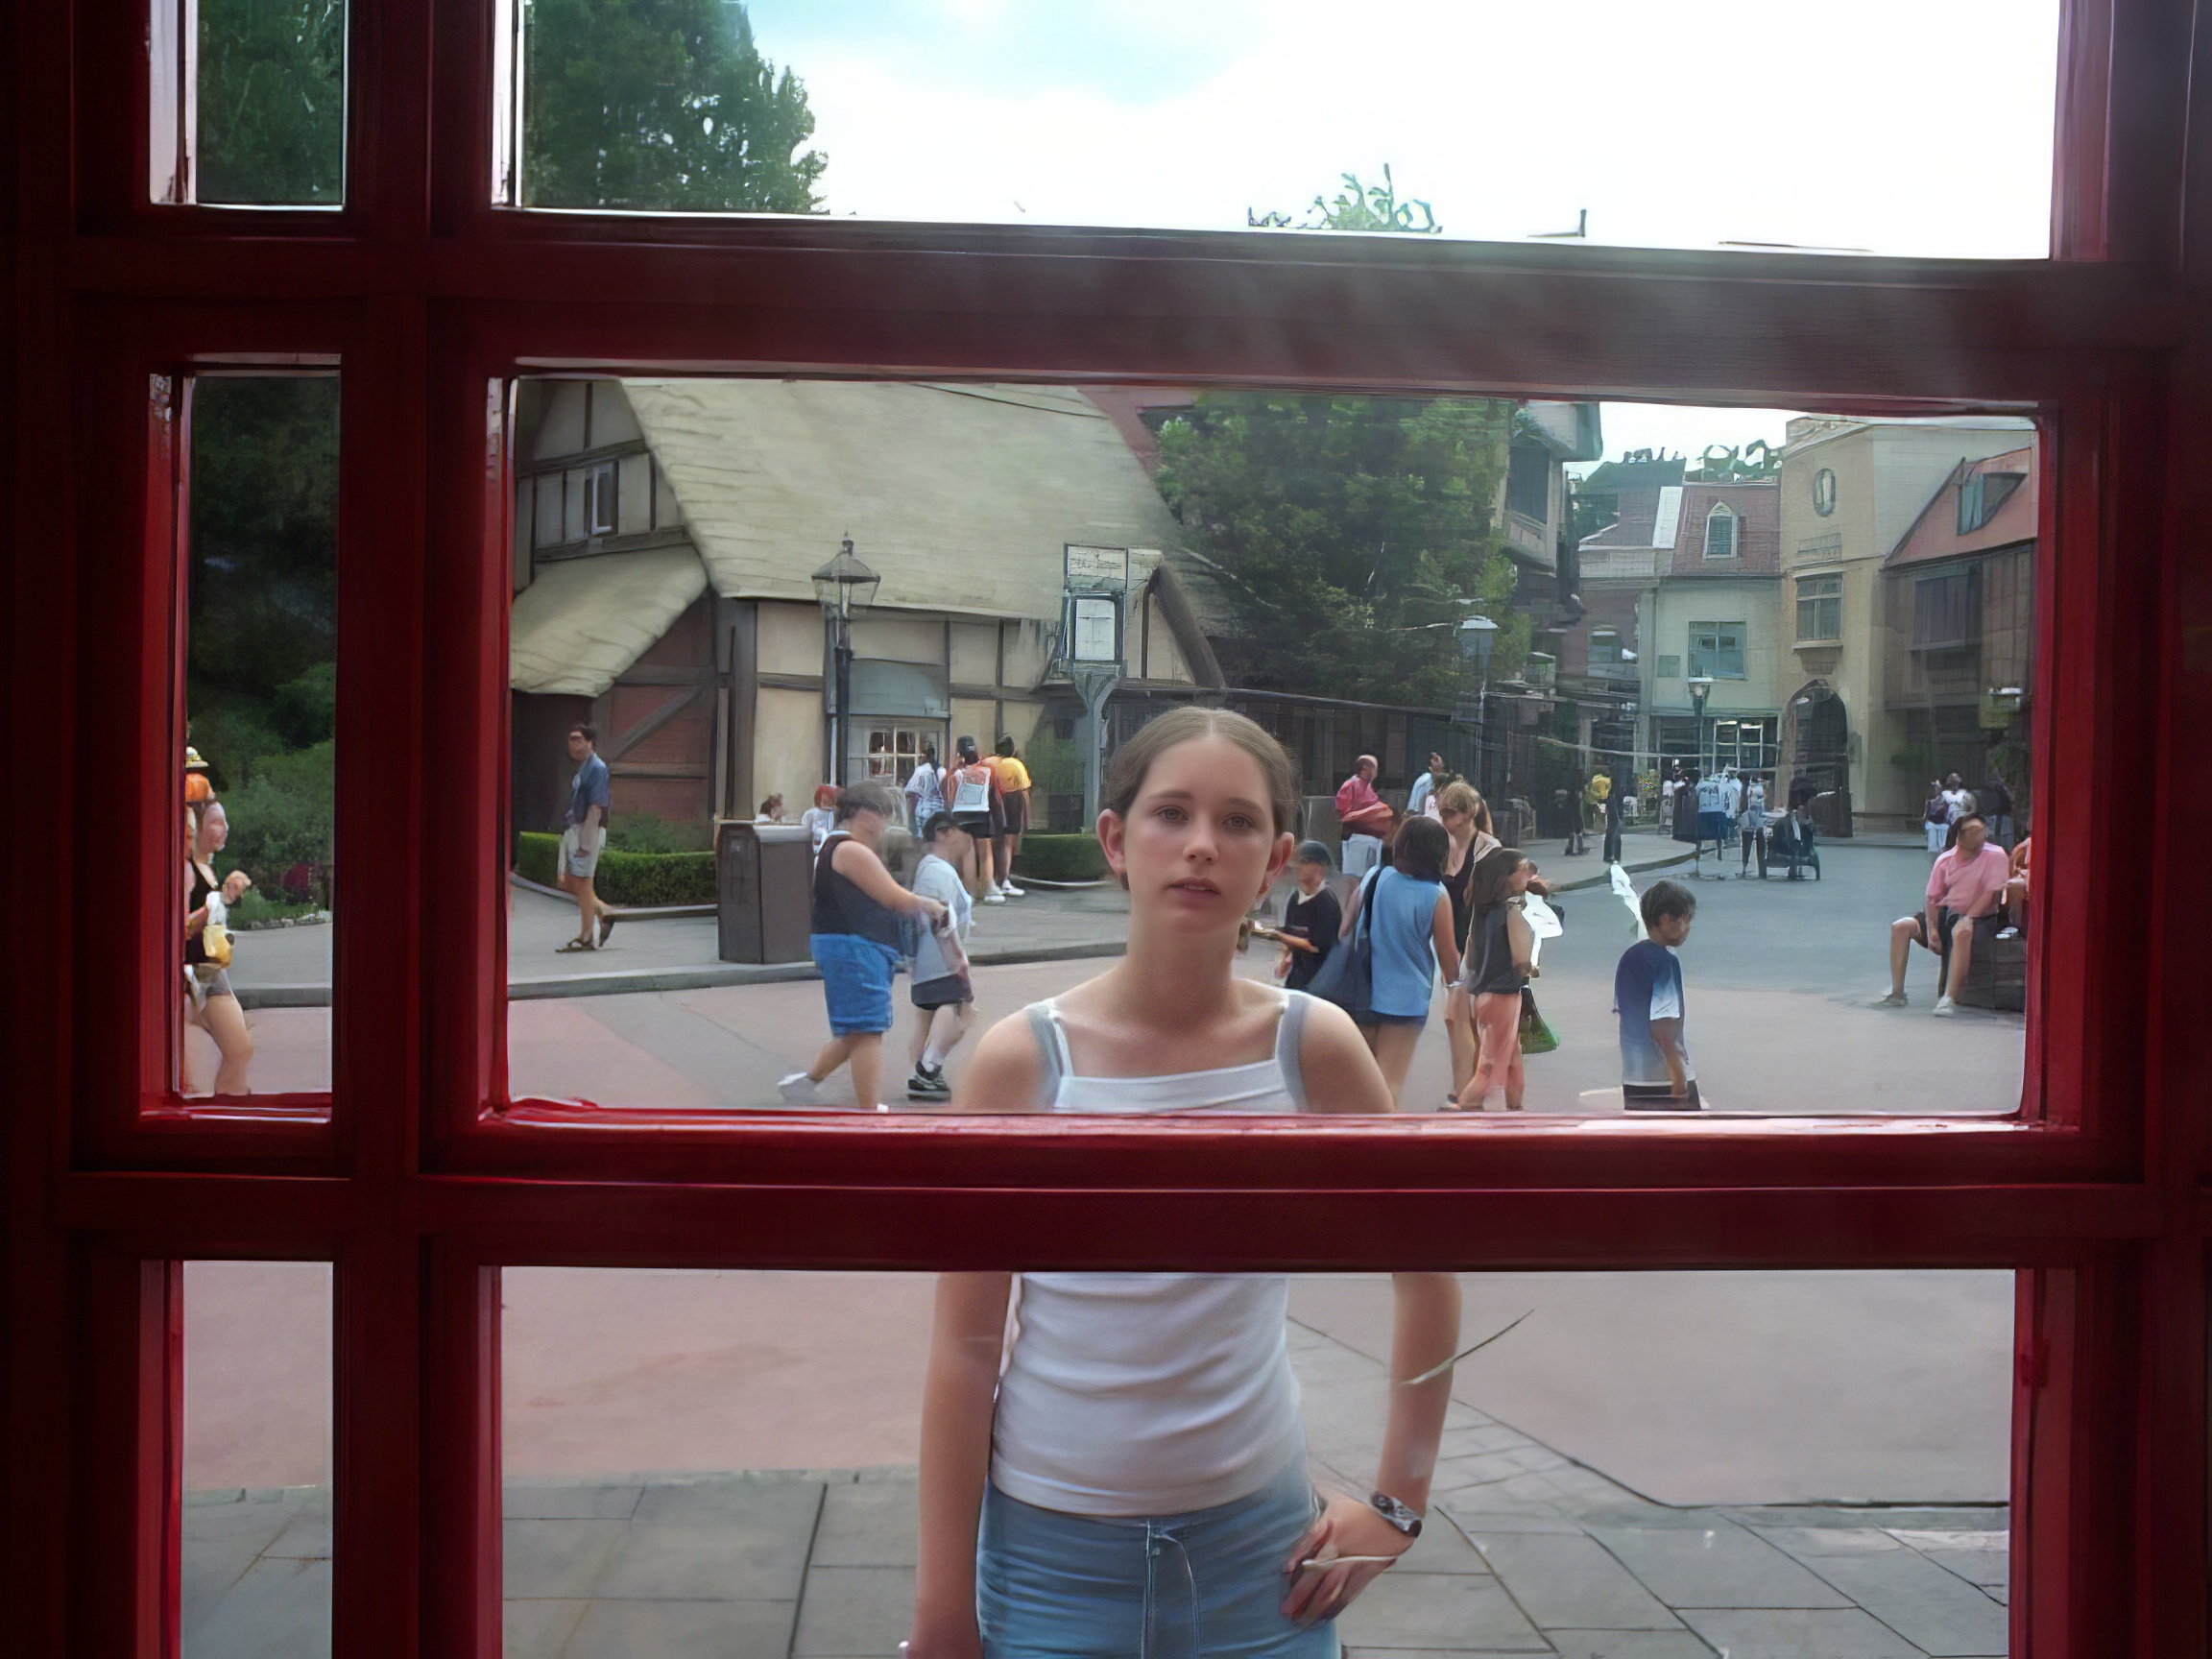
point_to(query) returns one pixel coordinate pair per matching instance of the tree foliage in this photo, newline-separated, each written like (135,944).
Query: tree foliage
(1353,534)
(272,102)
(1358,206)
(661,105)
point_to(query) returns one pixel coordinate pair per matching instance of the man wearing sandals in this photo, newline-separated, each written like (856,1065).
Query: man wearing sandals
(583,832)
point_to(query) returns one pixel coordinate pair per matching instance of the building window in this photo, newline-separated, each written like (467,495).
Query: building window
(1670,666)
(1981,495)
(1819,608)
(1605,645)
(599,500)
(1824,492)
(1720,532)
(894,751)
(1947,612)
(1529,481)
(1717,650)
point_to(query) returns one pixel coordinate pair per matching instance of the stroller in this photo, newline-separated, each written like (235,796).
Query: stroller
(1795,845)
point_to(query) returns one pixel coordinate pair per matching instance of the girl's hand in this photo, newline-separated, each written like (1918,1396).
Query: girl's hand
(196,921)
(1346,1526)
(961,1641)
(934,910)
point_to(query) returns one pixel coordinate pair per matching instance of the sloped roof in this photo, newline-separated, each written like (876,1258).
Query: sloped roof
(581,622)
(1759,530)
(1618,477)
(1935,533)
(960,497)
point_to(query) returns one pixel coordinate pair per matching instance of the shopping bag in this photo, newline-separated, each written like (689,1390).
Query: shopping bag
(1347,978)
(1536,1034)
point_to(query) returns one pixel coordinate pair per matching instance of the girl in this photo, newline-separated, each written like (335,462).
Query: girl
(1411,936)
(771,811)
(943,994)
(925,789)
(854,938)
(976,808)
(821,818)
(1498,955)
(1140,1413)
(209,1002)
(1466,819)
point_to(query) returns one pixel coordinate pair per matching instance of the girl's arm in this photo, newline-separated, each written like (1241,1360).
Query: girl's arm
(957,1398)
(1340,1073)
(1441,936)
(866,871)
(1352,910)
(1521,940)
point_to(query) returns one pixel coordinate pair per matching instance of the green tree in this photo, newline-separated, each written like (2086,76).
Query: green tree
(1358,206)
(1356,533)
(272,102)
(661,105)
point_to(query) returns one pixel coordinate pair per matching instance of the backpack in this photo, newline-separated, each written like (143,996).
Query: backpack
(1938,810)
(971,794)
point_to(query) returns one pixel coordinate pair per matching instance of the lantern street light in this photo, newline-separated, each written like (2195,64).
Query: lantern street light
(1700,688)
(1478,638)
(843,586)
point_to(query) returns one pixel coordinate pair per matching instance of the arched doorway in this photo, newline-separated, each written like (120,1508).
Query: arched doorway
(1816,743)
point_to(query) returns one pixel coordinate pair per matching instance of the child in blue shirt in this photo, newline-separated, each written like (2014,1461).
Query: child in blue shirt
(1655,1072)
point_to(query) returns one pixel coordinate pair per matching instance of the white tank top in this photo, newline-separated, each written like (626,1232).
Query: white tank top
(1151,1393)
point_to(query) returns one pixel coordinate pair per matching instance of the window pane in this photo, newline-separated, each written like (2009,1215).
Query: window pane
(260,722)
(1205,118)
(271,127)
(1828,1459)
(1057,567)
(258,1459)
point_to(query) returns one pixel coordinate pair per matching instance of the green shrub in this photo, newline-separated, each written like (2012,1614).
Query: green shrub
(643,832)
(1070,857)
(282,820)
(641,878)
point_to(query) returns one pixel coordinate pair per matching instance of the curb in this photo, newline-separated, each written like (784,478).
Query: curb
(630,913)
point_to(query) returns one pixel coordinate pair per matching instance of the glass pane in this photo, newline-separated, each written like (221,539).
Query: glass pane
(258,1459)
(271,103)
(1823,1472)
(260,722)
(1207,118)
(1616,699)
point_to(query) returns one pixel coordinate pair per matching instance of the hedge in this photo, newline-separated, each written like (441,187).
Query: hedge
(1062,858)
(643,878)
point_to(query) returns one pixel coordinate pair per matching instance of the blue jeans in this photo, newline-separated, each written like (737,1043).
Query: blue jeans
(1051,1585)
(856,982)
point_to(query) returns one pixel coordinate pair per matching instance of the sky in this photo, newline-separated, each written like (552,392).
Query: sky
(1913,127)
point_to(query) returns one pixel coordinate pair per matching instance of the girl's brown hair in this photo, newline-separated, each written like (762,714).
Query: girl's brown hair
(1460,795)
(1126,775)
(1491,874)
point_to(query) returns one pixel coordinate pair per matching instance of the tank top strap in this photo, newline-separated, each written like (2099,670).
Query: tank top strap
(1052,1058)
(1289,1032)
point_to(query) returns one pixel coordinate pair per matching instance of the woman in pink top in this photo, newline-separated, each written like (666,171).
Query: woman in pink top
(1966,884)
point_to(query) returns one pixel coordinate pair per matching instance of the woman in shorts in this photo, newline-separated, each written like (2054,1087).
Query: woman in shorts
(854,939)
(1410,937)
(943,996)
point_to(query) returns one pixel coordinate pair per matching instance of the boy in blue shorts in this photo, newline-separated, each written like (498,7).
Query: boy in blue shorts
(1655,1073)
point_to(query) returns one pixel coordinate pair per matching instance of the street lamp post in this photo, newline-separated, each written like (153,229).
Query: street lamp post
(1700,688)
(843,586)
(1478,638)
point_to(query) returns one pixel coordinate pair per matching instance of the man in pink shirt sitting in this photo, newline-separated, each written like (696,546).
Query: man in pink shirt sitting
(1966,884)
(1364,818)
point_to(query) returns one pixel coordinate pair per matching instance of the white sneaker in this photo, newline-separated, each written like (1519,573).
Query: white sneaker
(1011,891)
(1945,1008)
(2007,933)
(993,895)
(797,1089)
(1893,1000)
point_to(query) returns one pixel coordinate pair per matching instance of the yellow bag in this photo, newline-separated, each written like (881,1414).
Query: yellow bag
(215,942)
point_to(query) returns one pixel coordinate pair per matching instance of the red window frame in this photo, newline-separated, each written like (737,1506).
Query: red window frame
(420,1181)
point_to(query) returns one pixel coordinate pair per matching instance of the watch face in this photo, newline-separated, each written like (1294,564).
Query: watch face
(1824,492)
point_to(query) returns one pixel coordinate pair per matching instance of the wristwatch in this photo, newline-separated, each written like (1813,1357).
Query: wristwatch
(1403,1517)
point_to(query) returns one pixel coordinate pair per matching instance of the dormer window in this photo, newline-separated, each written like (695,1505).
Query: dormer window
(1721,531)
(1981,495)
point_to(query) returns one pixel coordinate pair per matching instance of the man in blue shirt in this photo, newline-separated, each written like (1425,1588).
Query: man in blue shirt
(583,834)
(1655,1072)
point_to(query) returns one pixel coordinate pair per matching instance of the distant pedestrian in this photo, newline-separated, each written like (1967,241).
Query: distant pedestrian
(1655,1071)
(821,818)
(976,808)
(1411,936)
(1713,823)
(1466,821)
(1993,800)
(1668,786)
(1501,949)
(1364,818)
(2016,885)
(1751,825)
(944,995)
(1425,786)
(1616,809)
(1311,917)
(771,811)
(1013,780)
(209,1002)
(1967,883)
(924,790)
(1936,817)
(583,837)
(853,937)
(1957,799)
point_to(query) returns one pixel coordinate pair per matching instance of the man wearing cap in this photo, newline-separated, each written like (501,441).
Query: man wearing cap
(583,834)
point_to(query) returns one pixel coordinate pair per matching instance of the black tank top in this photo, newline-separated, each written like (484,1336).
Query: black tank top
(1461,888)
(195,949)
(841,907)
(1493,952)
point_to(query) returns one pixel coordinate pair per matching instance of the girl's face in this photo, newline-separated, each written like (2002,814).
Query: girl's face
(1455,822)
(214,829)
(1310,879)
(1199,846)
(1516,883)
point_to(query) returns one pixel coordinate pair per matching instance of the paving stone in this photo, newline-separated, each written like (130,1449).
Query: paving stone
(1991,1569)
(1473,1442)
(790,1501)
(537,1629)
(1481,1469)
(871,1525)
(854,1612)
(1569,1581)
(1714,1567)
(1632,1644)
(557,1558)
(683,1630)
(1938,1611)
(1440,1610)
(1486,1514)
(1441,1548)
(735,1557)
(306,1537)
(1772,1633)
(220,1542)
(277,1610)
(569,1501)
